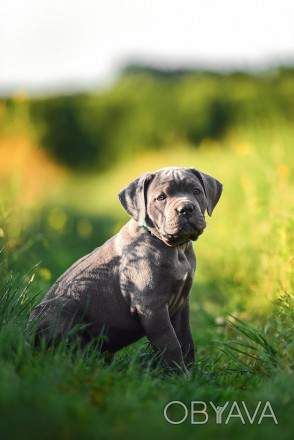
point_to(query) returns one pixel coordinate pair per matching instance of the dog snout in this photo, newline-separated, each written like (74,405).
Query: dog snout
(185,209)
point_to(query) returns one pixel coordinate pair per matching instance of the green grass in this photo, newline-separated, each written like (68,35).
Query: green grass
(241,304)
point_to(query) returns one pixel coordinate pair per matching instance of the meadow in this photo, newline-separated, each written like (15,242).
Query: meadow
(241,302)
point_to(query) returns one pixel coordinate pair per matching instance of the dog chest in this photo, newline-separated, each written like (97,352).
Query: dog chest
(180,293)
(182,274)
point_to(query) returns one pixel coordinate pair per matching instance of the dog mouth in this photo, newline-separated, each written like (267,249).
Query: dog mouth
(182,236)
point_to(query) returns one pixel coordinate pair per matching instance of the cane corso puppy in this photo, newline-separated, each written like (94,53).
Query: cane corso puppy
(138,282)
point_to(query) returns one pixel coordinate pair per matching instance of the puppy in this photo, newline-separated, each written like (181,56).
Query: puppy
(138,282)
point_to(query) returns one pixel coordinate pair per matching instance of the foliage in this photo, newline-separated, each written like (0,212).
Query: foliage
(148,108)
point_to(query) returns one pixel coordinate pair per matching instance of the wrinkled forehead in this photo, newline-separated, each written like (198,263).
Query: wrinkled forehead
(174,179)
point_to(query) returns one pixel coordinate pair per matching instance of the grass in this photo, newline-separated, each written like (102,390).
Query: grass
(241,304)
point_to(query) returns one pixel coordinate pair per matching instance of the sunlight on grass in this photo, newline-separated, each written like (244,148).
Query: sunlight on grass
(27,174)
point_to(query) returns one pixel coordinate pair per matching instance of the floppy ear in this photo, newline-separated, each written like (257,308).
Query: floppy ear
(212,188)
(134,197)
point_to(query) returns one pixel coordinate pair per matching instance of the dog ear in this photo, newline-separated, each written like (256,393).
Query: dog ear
(134,197)
(212,188)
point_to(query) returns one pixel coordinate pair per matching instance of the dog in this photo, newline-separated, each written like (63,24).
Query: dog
(138,282)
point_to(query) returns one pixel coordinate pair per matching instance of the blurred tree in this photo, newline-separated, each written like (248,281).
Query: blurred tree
(149,108)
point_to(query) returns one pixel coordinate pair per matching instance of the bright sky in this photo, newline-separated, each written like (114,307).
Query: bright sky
(46,42)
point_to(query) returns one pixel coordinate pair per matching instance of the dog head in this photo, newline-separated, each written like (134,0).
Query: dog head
(171,202)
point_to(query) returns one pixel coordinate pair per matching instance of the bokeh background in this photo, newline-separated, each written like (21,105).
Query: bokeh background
(92,95)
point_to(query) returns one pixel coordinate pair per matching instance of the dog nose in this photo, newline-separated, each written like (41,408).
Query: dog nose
(185,209)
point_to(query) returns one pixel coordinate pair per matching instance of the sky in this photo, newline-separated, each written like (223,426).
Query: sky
(64,43)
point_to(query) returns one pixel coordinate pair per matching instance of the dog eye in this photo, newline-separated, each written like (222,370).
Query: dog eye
(196,191)
(161,196)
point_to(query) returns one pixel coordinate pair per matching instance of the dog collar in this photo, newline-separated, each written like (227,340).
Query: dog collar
(144,226)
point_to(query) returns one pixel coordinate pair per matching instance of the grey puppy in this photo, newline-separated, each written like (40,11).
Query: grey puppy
(138,282)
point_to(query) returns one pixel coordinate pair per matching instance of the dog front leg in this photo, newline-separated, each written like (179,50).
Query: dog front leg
(162,336)
(180,322)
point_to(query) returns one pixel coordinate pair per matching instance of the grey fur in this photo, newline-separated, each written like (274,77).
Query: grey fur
(138,282)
